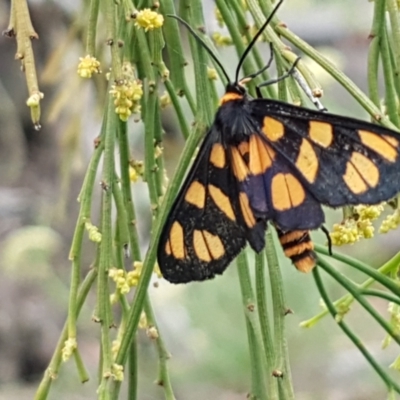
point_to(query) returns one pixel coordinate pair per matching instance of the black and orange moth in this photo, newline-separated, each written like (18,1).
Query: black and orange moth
(265,160)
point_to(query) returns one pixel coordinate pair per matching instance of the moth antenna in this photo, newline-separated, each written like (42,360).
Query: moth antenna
(202,42)
(255,38)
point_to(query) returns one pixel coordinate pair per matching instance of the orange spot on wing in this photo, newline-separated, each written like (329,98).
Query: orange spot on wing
(261,155)
(383,145)
(321,133)
(238,165)
(273,129)
(215,245)
(196,194)
(207,246)
(222,201)
(217,156)
(247,213)
(307,161)
(286,191)
(360,172)
(177,240)
(394,142)
(200,246)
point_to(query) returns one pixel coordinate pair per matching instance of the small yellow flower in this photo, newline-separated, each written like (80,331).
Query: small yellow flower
(127,95)
(69,347)
(115,346)
(143,321)
(117,372)
(93,232)
(218,17)
(34,99)
(88,66)
(368,212)
(152,332)
(345,233)
(221,40)
(165,100)
(148,19)
(158,151)
(136,170)
(120,279)
(390,222)
(212,74)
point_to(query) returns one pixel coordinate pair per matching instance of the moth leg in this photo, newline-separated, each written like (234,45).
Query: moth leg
(271,58)
(323,229)
(275,80)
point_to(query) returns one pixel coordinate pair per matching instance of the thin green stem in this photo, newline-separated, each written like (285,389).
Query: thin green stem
(356,341)
(52,370)
(257,352)
(106,250)
(357,295)
(378,276)
(92,27)
(279,308)
(265,325)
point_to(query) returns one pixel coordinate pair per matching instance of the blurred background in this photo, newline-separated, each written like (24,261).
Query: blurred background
(202,323)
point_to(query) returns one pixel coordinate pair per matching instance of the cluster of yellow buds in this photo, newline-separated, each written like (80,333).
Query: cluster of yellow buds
(117,372)
(218,17)
(221,40)
(119,277)
(148,19)
(165,100)
(124,281)
(394,311)
(392,221)
(358,227)
(136,170)
(127,95)
(212,74)
(93,232)
(70,346)
(88,66)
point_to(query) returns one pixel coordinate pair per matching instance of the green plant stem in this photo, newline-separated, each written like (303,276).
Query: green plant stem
(82,372)
(264,324)
(393,10)
(106,251)
(85,197)
(183,125)
(378,276)
(339,76)
(257,351)
(124,157)
(110,13)
(357,295)
(149,159)
(174,48)
(356,341)
(52,370)
(373,65)
(280,310)
(163,378)
(133,371)
(388,75)
(345,301)
(92,27)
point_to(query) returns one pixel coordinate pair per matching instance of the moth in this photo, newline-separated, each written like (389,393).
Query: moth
(266,160)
